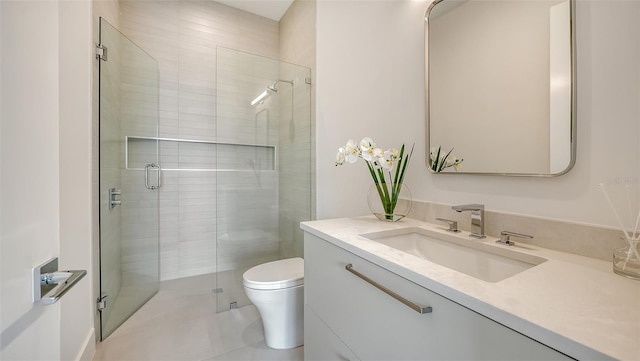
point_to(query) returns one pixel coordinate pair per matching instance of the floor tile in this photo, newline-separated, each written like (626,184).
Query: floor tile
(180,323)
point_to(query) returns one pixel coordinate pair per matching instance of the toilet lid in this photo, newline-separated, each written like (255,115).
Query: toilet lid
(275,275)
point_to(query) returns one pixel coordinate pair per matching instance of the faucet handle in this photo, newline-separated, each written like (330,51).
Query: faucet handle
(505,237)
(453,225)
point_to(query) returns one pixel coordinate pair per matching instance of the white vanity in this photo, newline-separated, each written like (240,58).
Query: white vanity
(369,294)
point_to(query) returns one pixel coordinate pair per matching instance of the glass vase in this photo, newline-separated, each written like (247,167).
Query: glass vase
(394,213)
(626,261)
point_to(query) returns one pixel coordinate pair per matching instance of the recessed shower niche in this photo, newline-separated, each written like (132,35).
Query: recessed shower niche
(200,155)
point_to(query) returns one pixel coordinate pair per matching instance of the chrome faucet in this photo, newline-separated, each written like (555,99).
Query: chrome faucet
(477,218)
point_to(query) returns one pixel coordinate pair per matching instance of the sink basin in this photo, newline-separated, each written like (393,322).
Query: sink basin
(470,256)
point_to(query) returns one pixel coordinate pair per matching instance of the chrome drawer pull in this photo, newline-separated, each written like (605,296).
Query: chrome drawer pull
(413,306)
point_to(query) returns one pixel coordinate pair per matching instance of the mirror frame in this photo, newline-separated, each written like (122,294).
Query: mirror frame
(572,19)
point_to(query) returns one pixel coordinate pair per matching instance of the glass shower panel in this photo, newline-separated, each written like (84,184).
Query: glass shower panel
(260,204)
(129,178)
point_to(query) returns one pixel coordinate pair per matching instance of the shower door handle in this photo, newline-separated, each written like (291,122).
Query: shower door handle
(146,176)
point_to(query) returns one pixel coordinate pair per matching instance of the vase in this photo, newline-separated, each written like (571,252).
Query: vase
(394,213)
(626,260)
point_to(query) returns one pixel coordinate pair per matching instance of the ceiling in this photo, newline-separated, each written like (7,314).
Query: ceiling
(272,9)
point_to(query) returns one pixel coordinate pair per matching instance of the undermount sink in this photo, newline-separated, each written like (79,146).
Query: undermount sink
(470,256)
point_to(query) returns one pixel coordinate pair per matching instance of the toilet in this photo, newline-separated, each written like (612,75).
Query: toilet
(276,289)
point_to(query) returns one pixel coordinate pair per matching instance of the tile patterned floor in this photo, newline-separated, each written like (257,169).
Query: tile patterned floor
(180,323)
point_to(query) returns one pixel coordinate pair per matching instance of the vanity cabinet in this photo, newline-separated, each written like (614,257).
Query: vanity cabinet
(360,321)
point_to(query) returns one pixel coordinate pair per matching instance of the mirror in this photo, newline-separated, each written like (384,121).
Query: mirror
(500,86)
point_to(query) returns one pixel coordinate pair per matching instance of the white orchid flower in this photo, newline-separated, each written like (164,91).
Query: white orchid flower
(386,163)
(458,163)
(390,155)
(451,160)
(366,143)
(340,157)
(351,145)
(370,154)
(367,154)
(394,153)
(351,151)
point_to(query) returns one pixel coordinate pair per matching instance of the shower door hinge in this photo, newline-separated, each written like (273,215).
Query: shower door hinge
(307,81)
(102,303)
(101,52)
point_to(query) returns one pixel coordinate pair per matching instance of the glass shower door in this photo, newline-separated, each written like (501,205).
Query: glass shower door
(129,178)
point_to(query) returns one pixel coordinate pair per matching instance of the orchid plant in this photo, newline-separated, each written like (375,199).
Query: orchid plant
(439,161)
(380,164)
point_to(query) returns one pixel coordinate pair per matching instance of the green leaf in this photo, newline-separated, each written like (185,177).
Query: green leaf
(395,179)
(436,163)
(444,161)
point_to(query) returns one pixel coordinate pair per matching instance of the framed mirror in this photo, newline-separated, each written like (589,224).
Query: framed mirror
(500,81)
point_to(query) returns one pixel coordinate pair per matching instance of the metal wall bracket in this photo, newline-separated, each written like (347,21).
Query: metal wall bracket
(102,303)
(49,283)
(113,201)
(101,52)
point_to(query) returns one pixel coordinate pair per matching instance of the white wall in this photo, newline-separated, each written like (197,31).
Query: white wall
(30,232)
(75,82)
(45,175)
(370,82)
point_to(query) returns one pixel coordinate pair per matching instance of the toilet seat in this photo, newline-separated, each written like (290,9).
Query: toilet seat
(284,273)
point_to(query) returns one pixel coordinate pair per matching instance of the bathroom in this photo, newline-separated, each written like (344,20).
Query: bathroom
(368,80)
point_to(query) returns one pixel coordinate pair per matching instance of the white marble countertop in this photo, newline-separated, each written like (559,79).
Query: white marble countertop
(574,304)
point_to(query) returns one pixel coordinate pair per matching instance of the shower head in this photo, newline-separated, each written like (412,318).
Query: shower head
(271,88)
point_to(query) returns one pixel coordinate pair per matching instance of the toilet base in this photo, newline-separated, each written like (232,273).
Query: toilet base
(282,313)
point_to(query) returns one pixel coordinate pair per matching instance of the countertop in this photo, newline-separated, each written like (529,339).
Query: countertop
(574,304)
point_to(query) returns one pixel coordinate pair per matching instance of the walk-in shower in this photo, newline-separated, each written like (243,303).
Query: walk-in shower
(235,180)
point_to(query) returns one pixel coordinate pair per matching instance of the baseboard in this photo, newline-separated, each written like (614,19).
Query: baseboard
(89,348)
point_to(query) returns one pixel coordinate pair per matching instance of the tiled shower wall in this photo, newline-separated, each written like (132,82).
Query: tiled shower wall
(183,36)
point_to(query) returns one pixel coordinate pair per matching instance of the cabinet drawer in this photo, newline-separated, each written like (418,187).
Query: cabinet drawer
(321,344)
(375,325)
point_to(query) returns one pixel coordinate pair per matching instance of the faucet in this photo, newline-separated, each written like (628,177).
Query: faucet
(477,218)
